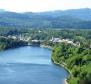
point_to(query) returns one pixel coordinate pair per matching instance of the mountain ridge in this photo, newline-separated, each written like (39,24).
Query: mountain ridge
(73,18)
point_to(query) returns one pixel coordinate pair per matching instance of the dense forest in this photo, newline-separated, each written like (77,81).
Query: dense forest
(76,59)
(7,43)
(10,43)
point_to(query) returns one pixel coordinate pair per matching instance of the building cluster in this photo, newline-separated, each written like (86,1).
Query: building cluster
(59,40)
(20,37)
(53,40)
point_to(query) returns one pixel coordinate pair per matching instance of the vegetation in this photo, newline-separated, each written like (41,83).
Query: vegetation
(47,25)
(77,18)
(46,35)
(76,59)
(7,43)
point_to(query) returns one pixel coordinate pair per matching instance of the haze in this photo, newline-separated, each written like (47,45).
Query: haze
(43,5)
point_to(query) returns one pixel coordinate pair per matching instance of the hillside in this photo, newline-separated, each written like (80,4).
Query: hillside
(75,18)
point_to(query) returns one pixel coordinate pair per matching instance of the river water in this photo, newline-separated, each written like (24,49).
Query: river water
(29,65)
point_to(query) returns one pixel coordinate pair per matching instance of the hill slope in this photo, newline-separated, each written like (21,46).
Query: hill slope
(75,18)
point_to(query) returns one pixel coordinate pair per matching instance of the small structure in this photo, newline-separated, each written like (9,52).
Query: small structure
(90,46)
(35,42)
(59,40)
(55,40)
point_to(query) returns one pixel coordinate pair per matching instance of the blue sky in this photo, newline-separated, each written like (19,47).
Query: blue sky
(43,5)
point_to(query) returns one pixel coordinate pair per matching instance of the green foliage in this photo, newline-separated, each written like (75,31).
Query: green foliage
(58,19)
(77,60)
(6,43)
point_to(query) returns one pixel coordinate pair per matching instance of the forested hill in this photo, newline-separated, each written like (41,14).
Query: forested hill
(75,18)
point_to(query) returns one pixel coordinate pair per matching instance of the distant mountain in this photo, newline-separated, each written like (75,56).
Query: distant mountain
(75,18)
(84,13)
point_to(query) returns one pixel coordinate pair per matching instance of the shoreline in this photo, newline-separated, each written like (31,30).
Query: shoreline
(65,81)
(45,46)
(61,65)
(49,47)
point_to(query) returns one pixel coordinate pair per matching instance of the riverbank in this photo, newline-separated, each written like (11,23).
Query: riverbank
(29,65)
(46,46)
(49,47)
(62,65)
(65,81)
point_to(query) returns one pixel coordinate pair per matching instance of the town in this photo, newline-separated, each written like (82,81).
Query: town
(30,40)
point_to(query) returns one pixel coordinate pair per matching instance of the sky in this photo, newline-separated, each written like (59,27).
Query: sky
(43,5)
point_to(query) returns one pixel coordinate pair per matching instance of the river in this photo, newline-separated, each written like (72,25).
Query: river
(29,65)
